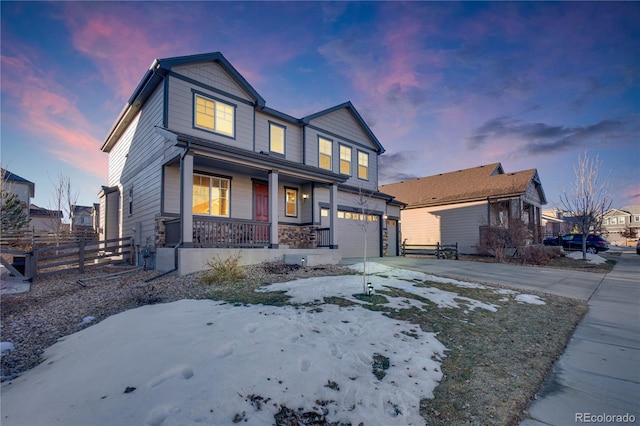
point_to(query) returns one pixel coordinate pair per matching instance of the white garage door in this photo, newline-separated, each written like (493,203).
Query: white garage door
(351,234)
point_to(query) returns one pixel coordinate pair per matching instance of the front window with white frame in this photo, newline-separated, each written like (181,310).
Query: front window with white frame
(214,115)
(291,202)
(210,195)
(345,160)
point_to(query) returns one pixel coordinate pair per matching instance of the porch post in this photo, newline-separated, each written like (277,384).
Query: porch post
(273,208)
(333,217)
(186,193)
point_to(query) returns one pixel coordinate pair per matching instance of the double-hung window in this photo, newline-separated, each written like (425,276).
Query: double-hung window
(210,195)
(325,147)
(291,202)
(345,160)
(214,115)
(276,138)
(363,165)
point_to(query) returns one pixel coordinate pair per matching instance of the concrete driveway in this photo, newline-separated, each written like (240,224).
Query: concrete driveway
(597,379)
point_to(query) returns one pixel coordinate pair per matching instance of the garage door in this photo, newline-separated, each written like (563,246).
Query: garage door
(351,234)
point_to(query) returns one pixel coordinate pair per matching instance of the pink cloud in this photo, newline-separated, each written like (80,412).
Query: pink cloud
(45,110)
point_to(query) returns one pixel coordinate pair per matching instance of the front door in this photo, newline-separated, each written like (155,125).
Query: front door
(261,202)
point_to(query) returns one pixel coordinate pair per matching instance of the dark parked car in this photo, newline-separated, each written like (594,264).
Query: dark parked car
(638,246)
(595,243)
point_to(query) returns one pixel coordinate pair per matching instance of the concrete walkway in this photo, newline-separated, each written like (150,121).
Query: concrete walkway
(599,373)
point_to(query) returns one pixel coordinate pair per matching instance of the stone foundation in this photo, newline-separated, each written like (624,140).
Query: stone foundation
(297,237)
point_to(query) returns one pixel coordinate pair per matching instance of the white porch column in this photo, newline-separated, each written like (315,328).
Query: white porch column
(273,208)
(186,208)
(333,216)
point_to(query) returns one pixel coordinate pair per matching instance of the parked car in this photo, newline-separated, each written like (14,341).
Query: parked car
(638,246)
(595,243)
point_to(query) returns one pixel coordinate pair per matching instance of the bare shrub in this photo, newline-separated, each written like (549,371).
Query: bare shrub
(224,270)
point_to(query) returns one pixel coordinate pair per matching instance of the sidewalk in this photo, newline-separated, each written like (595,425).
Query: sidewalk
(598,376)
(599,373)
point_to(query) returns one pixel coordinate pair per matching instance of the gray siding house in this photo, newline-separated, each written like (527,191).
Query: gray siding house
(460,206)
(200,166)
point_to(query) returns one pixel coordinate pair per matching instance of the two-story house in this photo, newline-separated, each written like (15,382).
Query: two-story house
(199,165)
(21,187)
(619,225)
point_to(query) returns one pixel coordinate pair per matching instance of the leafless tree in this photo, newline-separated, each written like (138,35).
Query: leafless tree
(588,199)
(64,198)
(364,202)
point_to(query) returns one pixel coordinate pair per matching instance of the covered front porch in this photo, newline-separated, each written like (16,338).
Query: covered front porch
(224,200)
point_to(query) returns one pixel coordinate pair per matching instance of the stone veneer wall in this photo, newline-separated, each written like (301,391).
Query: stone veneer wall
(298,237)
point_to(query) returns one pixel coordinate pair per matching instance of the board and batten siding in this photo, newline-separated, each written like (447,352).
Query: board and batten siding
(181,109)
(342,122)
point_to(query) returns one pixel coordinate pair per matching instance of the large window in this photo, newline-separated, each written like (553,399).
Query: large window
(210,195)
(276,138)
(345,160)
(291,202)
(214,115)
(363,165)
(325,152)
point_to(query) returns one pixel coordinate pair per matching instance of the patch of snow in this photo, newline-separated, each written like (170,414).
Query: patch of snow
(88,319)
(207,362)
(593,258)
(530,298)
(6,346)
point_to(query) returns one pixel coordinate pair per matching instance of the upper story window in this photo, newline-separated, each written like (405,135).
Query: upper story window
(621,220)
(276,138)
(363,165)
(210,195)
(214,115)
(636,218)
(324,153)
(345,160)
(613,221)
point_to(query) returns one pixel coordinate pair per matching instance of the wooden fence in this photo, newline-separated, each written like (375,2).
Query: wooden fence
(51,259)
(440,251)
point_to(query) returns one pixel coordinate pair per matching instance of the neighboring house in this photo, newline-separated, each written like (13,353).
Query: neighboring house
(456,207)
(82,218)
(199,163)
(554,223)
(620,224)
(24,189)
(45,220)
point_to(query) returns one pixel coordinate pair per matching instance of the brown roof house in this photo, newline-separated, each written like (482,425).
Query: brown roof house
(457,207)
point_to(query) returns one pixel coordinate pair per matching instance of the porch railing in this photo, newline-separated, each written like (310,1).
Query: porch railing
(217,232)
(323,237)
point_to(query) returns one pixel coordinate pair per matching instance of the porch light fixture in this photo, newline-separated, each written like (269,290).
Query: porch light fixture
(305,196)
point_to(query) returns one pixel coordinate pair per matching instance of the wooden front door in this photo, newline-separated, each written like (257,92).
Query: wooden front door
(261,202)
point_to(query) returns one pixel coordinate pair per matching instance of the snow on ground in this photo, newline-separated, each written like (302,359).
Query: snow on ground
(593,258)
(206,362)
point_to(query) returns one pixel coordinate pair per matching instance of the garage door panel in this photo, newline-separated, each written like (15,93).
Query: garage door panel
(351,237)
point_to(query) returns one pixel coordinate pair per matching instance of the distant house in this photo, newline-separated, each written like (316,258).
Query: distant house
(45,220)
(457,207)
(198,164)
(620,224)
(554,223)
(82,218)
(24,189)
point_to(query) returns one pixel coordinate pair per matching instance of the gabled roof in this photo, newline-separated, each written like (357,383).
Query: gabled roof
(161,67)
(349,106)
(477,183)
(155,75)
(12,177)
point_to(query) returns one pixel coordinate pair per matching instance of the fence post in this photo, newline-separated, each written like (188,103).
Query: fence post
(438,250)
(457,251)
(34,263)
(81,255)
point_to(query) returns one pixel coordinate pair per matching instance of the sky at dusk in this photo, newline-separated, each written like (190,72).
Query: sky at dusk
(444,86)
